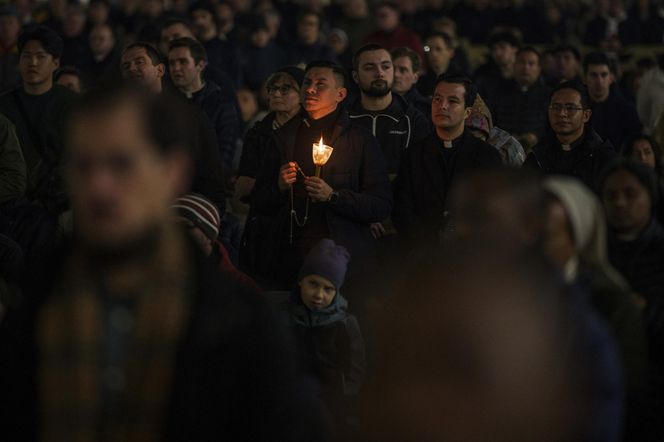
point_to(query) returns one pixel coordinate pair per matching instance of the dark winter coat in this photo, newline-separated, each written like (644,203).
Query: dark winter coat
(615,119)
(256,141)
(419,101)
(585,161)
(396,127)
(12,164)
(220,110)
(356,170)
(423,184)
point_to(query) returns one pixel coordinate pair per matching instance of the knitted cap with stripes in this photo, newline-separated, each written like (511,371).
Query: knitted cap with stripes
(200,211)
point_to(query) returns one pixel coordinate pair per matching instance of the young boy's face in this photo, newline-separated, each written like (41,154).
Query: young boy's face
(316,292)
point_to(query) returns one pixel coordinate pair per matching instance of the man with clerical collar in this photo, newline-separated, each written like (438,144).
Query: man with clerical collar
(574,149)
(430,168)
(352,191)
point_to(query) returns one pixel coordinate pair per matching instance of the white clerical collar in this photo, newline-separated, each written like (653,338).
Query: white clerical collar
(448,144)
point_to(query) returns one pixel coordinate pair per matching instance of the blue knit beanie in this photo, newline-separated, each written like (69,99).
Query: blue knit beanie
(327,260)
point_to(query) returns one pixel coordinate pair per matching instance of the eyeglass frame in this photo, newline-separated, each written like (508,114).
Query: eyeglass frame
(570,109)
(284,89)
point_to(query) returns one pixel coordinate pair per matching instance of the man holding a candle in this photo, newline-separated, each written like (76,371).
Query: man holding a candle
(430,168)
(311,198)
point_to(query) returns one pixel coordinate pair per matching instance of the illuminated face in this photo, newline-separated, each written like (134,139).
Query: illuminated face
(36,65)
(448,107)
(598,79)
(375,73)
(627,203)
(320,92)
(404,77)
(316,292)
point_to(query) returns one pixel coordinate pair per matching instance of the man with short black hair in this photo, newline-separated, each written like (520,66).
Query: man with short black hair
(499,69)
(429,169)
(567,63)
(574,149)
(352,191)
(439,50)
(613,117)
(407,68)
(37,110)
(187,61)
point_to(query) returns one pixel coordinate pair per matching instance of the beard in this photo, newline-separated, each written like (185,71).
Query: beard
(377,89)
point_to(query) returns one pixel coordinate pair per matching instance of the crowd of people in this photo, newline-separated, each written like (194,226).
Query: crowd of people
(327,220)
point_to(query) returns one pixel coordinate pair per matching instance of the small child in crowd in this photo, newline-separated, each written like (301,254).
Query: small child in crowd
(330,339)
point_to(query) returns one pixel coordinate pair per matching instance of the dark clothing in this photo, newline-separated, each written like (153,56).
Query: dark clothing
(428,173)
(224,55)
(220,110)
(259,63)
(641,261)
(585,160)
(356,170)
(233,367)
(489,79)
(615,119)
(9,75)
(518,110)
(300,53)
(419,102)
(332,344)
(39,122)
(12,164)
(100,71)
(395,127)
(400,37)
(254,152)
(629,32)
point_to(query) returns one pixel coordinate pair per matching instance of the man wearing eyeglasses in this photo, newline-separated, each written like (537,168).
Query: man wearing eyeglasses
(574,149)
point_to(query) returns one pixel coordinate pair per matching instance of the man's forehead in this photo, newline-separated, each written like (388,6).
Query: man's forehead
(450,89)
(179,52)
(598,68)
(403,61)
(566,95)
(319,73)
(377,56)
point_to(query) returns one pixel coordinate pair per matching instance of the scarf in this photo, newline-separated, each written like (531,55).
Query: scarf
(71,338)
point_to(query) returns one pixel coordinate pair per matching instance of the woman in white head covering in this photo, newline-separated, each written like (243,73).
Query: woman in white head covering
(575,239)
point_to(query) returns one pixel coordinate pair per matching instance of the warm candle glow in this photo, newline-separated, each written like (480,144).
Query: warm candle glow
(321,153)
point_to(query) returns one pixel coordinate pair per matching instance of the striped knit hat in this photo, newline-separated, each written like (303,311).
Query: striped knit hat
(200,211)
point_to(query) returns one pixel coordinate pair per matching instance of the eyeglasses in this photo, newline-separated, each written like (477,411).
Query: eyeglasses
(284,89)
(568,108)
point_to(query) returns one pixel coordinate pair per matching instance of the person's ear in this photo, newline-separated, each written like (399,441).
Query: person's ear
(56,62)
(161,69)
(342,92)
(467,112)
(201,65)
(587,113)
(356,78)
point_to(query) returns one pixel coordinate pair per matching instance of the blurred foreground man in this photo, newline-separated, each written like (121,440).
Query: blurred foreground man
(141,339)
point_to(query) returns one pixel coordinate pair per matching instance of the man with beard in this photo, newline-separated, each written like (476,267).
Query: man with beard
(390,118)
(431,167)
(141,64)
(574,149)
(141,334)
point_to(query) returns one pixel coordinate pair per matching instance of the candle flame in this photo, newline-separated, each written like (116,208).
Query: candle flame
(321,146)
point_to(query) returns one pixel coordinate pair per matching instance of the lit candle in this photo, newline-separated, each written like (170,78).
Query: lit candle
(321,154)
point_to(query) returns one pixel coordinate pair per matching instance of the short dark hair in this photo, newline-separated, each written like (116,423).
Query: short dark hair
(566,47)
(408,52)
(457,77)
(166,119)
(152,51)
(306,12)
(388,4)
(337,70)
(577,86)
(447,38)
(597,59)
(366,48)
(203,5)
(531,49)
(196,49)
(48,38)
(504,37)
